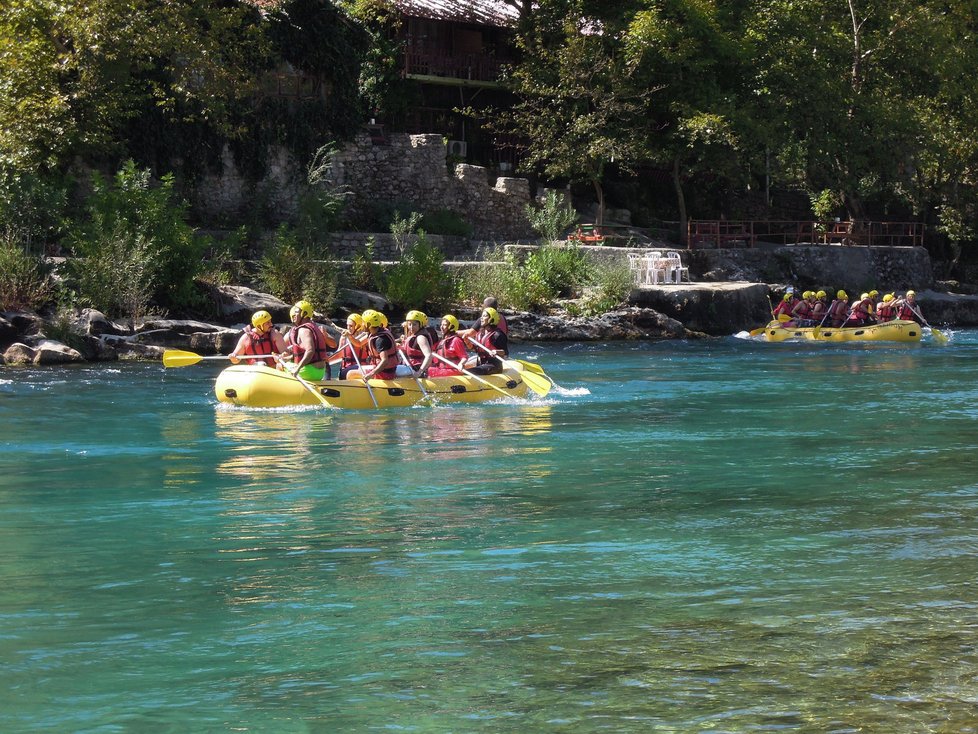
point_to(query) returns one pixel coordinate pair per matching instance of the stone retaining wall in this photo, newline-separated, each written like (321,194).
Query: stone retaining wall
(412,168)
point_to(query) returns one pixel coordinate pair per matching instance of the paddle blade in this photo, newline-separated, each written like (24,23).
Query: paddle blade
(179,358)
(756,332)
(540,384)
(531,366)
(939,337)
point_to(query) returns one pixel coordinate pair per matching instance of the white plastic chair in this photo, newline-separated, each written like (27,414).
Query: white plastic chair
(636,263)
(654,267)
(676,268)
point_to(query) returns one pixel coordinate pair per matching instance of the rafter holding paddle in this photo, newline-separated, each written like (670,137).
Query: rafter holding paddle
(539,383)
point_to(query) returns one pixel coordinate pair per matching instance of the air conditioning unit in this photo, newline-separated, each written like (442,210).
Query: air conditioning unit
(457,148)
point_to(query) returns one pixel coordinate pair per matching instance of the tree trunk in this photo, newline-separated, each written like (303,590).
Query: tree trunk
(680,201)
(599,192)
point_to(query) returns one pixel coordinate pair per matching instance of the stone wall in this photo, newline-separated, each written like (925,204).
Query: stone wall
(412,168)
(229,195)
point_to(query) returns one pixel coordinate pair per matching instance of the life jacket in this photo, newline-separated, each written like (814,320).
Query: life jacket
(321,352)
(259,343)
(388,372)
(803,310)
(837,313)
(783,308)
(414,354)
(492,339)
(886,311)
(905,313)
(350,356)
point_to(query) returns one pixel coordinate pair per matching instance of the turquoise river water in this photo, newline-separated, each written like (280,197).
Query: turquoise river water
(707,536)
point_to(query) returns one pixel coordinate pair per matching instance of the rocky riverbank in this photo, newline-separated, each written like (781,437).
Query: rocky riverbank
(694,310)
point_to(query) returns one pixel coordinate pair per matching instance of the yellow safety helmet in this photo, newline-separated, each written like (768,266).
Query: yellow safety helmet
(821,294)
(787,297)
(887,298)
(873,294)
(355,319)
(807,294)
(911,293)
(417,316)
(260,318)
(301,307)
(452,321)
(493,315)
(864,296)
(841,294)
(373,319)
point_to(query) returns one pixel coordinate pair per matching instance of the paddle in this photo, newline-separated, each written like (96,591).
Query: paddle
(537,383)
(180,358)
(474,376)
(356,358)
(304,383)
(818,329)
(407,363)
(938,336)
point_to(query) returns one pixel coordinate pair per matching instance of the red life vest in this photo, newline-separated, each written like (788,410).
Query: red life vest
(906,312)
(259,343)
(321,352)
(388,373)
(886,311)
(837,313)
(492,339)
(350,357)
(783,308)
(414,355)
(804,310)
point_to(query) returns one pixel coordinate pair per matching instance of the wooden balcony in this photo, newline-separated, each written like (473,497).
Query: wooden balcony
(477,70)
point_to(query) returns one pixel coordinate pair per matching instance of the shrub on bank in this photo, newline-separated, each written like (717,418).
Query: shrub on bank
(25,279)
(292,271)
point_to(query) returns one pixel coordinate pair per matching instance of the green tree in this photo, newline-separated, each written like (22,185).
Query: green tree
(579,101)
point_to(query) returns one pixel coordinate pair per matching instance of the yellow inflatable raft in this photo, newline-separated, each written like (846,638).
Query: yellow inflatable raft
(891,331)
(258,386)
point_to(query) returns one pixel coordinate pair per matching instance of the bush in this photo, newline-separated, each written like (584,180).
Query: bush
(321,204)
(553,218)
(118,276)
(612,283)
(419,279)
(25,282)
(509,280)
(365,274)
(131,217)
(293,271)
(562,268)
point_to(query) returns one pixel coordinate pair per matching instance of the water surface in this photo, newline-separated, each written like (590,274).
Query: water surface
(716,535)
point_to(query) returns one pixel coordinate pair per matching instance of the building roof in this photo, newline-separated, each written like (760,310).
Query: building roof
(480,12)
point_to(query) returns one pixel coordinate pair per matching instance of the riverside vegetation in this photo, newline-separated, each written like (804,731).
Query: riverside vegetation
(134,255)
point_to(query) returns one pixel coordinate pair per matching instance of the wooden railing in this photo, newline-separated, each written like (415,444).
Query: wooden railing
(747,233)
(476,67)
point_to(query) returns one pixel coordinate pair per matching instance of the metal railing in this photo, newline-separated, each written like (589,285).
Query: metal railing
(748,233)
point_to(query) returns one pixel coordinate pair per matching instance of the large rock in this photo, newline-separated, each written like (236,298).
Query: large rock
(713,308)
(95,323)
(236,304)
(629,323)
(948,308)
(49,351)
(195,336)
(19,353)
(358,301)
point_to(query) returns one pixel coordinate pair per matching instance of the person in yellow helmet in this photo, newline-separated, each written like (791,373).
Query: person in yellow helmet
(493,344)
(260,337)
(801,314)
(450,347)
(862,312)
(381,346)
(353,345)
(785,305)
(307,344)
(886,311)
(908,309)
(415,345)
(819,307)
(839,310)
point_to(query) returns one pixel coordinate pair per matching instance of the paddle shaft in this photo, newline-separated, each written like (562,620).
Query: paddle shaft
(532,380)
(356,358)
(407,363)
(306,384)
(937,335)
(474,376)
